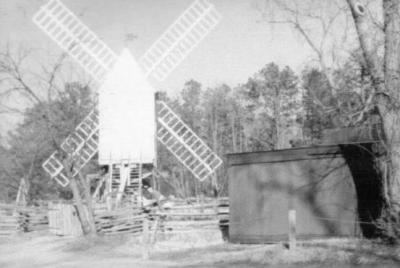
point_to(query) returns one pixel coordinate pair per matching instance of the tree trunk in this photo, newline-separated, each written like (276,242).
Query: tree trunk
(386,83)
(390,110)
(214,179)
(90,209)
(82,213)
(233,128)
(391,126)
(79,206)
(277,135)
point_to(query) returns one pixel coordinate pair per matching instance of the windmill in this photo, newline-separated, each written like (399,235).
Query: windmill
(95,134)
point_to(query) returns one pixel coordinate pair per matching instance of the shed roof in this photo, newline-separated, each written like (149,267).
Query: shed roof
(286,155)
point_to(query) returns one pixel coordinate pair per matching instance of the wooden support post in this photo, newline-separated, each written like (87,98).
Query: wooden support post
(155,161)
(154,231)
(145,239)
(201,203)
(109,187)
(161,225)
(292,229)
(99,185)
(214,182)
(123,180)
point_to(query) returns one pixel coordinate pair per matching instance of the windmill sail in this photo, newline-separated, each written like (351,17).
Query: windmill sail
(64,28)
(185,145)
(180,39)
(55,169)
(81,145)
(61,25)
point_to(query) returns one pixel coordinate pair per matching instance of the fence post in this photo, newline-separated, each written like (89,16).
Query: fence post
(154,231)
(201,203)
(292,229)
(145,239)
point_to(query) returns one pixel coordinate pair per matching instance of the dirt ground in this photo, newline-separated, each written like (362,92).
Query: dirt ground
(195,249)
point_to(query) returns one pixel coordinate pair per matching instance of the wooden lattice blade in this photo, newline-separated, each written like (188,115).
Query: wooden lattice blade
(180,39)
(55,169)
(64,28)
(81,146)
(185,145)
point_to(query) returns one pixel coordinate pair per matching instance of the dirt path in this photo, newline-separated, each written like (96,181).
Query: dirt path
(50,251)
(194,250)
(45,250)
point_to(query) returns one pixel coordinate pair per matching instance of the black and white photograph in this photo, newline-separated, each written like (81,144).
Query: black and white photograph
(200,133)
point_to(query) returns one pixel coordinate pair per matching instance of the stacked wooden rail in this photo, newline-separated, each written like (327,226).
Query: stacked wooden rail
(188,215)
(223,212)
(8,221)
(62,219)
(15,219)
(180,216)
(120,221)
(32,219)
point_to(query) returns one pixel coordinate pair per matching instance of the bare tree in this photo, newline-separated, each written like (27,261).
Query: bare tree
(378,38)
(326,27)
(39,89)
(385,80)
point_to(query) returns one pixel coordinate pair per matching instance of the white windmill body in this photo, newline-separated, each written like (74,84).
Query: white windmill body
(126,115)
(126,124)
(123,130)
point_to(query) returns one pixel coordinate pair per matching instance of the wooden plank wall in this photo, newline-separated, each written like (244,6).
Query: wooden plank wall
(63,220)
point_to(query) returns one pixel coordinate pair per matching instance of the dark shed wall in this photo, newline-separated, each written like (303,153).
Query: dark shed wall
(314,181)
(362,163)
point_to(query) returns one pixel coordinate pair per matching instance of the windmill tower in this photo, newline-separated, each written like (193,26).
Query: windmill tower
(126,99)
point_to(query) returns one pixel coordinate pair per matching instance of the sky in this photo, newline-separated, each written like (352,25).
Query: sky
(239,46)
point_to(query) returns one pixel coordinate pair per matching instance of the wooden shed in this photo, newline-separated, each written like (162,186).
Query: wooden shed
(332,188)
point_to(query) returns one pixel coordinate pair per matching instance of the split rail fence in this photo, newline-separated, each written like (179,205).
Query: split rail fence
(187,215)
(15,219)
(62,219)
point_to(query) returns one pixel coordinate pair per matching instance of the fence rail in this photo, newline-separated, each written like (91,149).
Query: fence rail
(14,219)
(120,221)
(62,218)
(186,215)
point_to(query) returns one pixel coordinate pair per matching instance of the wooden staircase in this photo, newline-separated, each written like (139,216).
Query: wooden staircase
(126,183)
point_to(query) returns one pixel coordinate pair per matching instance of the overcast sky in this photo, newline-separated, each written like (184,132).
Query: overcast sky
(239,46)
